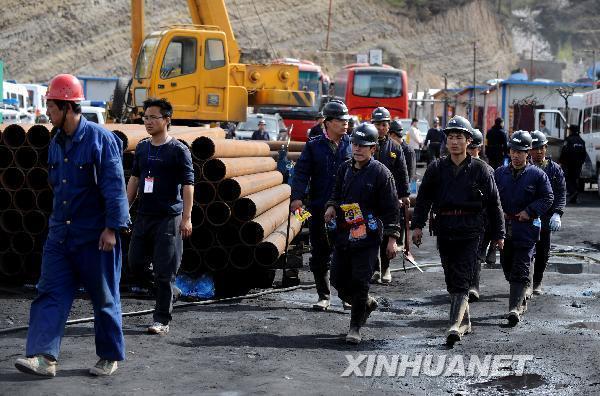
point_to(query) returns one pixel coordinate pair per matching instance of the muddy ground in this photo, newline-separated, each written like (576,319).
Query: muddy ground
(276,344)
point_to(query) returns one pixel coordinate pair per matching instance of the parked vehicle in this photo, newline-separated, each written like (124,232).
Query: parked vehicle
(94,114)
(274,124)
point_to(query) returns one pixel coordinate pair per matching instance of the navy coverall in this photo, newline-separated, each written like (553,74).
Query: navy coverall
(314,176)
(572,158)
(496,147)
(434,140)
(542,247)
(485,241)
(410,159)
(372,188)
(524,189)
(465,200)
(86,175)
(390,154)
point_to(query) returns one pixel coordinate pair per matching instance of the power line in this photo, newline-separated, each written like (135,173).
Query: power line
(263,28)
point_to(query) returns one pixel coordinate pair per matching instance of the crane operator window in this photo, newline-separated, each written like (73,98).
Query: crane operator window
(180,58)
(215,54)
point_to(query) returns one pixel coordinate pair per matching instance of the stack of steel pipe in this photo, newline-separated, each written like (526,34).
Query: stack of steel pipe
(294,149)
(25,200)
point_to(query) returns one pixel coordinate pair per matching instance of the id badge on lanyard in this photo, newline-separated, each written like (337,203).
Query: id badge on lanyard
(148,185)
(149,180)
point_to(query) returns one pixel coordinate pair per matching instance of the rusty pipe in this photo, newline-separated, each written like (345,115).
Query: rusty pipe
(241,256)
(11,264)
(124,139)
(11,221)
(14,136)
(191,261)
(32,266)
(22,243)
(38,136)
(241,186)
(228,235)
(216,258)
(35,222)
(37,178)
(26,157)
(205,148)
(218,169)
(202,238)
(248,207)
(24,199)
(6,199)
(197,216)
(293,146)
(258,229)
(12,179)
(42,158)
(6,157)
(292,156)
(197,171)
(204,193)
(272,247)
(218,213)
(44,200)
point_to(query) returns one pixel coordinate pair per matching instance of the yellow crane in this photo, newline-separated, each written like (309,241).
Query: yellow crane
(197,68)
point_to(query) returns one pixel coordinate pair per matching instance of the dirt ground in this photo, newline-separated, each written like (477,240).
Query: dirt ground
(276,344)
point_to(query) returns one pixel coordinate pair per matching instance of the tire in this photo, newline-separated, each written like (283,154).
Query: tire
(121,98)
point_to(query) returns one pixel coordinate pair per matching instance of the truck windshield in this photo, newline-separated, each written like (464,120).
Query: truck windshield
(144,61)
(377,84)
(309,81)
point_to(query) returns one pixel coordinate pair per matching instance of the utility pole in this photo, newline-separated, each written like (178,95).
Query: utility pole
(531,63)
(445,115)
(474,80)
(328,26)
(415,97)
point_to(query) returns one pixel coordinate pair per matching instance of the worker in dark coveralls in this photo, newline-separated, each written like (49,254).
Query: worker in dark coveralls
(496,148)
(390,154)
(526,195)
(462,193)
(83,246)
(162,179)
(317,129)
(434,140)
(551,220)
(572,158)
(314,178)
(397,135)
(365,205)
(474,150)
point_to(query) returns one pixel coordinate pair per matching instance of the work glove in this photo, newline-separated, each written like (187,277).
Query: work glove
(555,222)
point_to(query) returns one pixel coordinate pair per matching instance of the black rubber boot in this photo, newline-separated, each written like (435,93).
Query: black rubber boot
(517,304)
(460,320)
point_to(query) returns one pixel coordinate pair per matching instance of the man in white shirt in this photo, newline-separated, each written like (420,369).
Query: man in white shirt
(414,138)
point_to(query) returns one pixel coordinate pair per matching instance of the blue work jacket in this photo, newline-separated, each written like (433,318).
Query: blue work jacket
(87,180)
(529,191)
(559,189)
(316,170)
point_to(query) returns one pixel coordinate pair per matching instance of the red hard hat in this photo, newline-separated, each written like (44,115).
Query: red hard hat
(65,87)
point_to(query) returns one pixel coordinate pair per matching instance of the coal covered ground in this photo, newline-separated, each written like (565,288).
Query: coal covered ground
(276,344)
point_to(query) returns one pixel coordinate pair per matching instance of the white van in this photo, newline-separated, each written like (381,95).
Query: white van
(94,114)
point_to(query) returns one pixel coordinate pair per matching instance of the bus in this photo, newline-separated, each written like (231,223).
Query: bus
(311,79)
(364,87)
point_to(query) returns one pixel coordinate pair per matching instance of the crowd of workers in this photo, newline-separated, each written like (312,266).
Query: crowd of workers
(355,183)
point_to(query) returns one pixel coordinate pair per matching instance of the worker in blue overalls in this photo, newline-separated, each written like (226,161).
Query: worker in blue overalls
(83,244)
(364,203)
(314,177)
(526,195)
(551,220)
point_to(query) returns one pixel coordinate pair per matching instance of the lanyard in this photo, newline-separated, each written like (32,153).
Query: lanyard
(154,158)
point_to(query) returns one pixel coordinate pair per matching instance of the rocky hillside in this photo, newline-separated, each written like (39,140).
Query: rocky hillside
(427,38)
